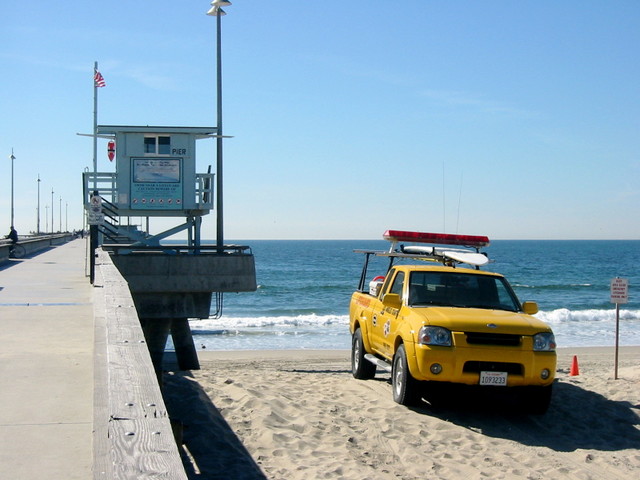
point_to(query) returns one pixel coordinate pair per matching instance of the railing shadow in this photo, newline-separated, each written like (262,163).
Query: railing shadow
(11,262)
(210,449)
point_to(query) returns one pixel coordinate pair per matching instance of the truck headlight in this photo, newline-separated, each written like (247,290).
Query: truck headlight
(429,335)
(544,342)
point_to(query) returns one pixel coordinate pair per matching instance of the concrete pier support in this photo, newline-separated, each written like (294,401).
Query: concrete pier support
(169,288)
(156,333)
(183,343)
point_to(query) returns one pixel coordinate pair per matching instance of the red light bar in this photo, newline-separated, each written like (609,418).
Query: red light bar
(438,238)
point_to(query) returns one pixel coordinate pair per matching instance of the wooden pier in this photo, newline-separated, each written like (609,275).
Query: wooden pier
(79,394)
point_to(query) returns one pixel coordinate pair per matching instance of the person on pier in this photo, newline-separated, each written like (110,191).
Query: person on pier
(13,235)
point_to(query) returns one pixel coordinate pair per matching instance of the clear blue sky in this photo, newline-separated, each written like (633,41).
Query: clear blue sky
(507,119)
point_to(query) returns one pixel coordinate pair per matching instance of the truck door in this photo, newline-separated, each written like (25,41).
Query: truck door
(383,318)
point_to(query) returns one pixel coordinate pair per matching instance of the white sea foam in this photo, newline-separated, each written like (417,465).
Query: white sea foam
(592,328)
(572,328)
(284,321)
(564,315)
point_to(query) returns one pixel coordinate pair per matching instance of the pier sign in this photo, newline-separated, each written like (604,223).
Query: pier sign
(619,295)
(94,214)
(619,290)
(156,183)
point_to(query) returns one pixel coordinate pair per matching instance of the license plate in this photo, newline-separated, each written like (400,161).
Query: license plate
(496,379)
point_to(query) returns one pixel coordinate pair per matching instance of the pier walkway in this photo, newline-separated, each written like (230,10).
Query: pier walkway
(46,366)
(79,397)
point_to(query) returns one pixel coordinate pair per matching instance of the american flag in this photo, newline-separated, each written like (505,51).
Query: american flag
(99,80)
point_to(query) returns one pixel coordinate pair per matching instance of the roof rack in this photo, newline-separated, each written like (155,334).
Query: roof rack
(445,255)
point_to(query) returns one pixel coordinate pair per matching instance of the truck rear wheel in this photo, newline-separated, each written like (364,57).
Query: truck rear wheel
(405,388)
(360,368)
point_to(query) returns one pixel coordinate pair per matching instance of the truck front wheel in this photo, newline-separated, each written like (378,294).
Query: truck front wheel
(360,368)
(405,388)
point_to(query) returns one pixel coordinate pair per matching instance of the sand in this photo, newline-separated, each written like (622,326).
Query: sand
(301,415)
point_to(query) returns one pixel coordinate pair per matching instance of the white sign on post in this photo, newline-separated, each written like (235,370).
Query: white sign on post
(619,294)
(95,218)
(96,202)
(95,215)
(619,290)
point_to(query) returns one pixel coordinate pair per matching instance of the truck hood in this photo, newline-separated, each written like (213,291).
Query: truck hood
(479,320)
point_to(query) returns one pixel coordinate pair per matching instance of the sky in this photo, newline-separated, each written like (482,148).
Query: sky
(515,120)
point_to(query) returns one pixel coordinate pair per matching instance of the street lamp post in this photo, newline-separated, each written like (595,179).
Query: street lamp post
(60,216)
(12,159)
(216,11)
(52,224)
(38,222)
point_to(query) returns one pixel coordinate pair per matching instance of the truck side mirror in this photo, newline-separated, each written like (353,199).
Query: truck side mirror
(392,300)
(530,308)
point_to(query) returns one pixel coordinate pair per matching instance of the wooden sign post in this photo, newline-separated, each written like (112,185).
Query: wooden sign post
(619,294)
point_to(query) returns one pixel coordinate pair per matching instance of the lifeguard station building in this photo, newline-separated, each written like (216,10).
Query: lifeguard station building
(156,176)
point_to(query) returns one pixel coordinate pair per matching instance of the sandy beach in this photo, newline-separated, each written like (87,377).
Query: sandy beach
(301,415)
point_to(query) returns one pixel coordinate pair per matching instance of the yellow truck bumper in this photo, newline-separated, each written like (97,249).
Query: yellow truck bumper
(463,364)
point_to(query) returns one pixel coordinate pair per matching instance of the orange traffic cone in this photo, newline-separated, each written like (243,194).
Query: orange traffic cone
(574,367)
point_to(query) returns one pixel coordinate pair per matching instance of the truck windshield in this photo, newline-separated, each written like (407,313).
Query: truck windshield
(463,290)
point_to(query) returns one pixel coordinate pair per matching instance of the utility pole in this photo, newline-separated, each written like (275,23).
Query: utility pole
(12,159)
(38,222)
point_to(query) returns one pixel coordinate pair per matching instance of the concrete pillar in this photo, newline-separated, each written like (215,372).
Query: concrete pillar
(183,343)
(156,333)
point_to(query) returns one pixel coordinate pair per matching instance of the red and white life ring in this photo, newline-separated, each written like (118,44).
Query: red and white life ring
(111,150)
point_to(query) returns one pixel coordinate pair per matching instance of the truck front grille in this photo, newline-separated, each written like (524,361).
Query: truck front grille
(505,340)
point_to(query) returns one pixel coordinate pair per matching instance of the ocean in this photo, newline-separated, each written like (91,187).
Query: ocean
(304,288)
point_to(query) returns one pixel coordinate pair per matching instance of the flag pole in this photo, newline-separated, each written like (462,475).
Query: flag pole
(93,229)
(95,124)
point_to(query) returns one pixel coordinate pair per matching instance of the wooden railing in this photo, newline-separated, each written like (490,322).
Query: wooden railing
(132,432)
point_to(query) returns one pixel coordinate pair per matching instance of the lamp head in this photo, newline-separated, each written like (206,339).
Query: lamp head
(216,12)
(216,8)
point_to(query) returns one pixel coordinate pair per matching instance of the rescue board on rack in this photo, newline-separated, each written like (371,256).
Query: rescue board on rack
(471,258)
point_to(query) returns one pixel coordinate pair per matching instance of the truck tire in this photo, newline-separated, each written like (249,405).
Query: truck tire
(405,388)
(360,368)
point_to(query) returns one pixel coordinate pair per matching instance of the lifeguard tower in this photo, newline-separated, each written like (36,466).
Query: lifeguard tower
(156,177)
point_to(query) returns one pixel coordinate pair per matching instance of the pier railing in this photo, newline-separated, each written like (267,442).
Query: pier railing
(132,432)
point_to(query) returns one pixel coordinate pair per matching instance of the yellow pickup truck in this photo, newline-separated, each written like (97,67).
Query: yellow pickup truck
(433,321)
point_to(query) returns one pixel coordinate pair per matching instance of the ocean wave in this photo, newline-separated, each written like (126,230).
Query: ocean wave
(554,286)
(282,321)
(552,317)
(564,315)
(591,327)
(557,316)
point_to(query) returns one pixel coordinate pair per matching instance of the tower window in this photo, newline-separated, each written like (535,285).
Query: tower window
(157,145)
(164,145)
